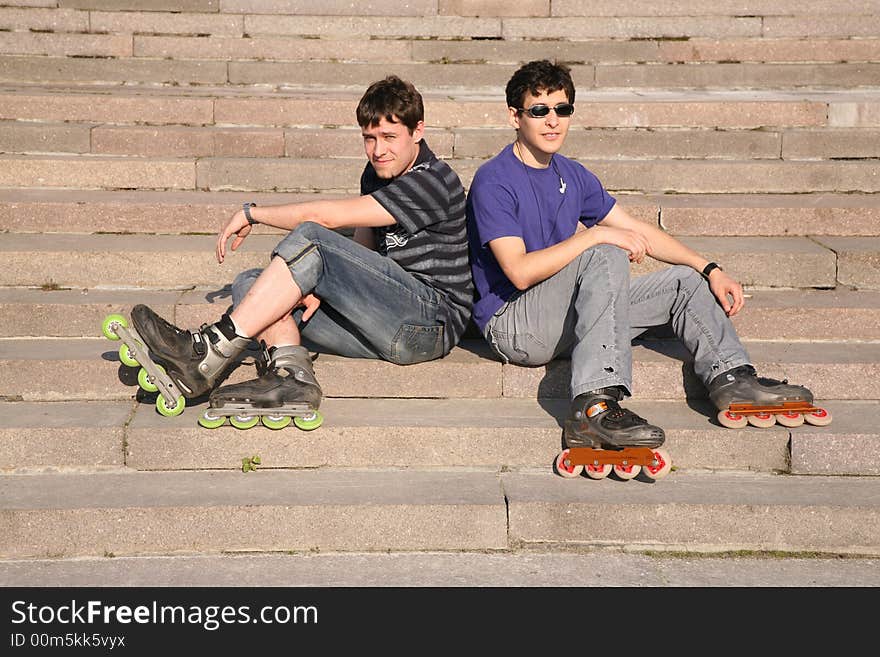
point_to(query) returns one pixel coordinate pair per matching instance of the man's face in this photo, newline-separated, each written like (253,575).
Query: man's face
(545,135)
(390,147)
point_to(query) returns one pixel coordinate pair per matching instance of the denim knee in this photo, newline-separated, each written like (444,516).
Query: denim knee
(242,284)
(301,253)
(614,258)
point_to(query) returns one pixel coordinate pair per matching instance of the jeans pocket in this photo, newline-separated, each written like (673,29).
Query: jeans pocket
(415,344)
(520,348)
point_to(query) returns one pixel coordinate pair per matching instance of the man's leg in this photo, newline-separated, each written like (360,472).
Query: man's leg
(582,309)
(680,296)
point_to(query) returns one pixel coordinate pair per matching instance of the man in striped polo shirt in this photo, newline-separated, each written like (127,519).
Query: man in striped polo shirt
(401,290)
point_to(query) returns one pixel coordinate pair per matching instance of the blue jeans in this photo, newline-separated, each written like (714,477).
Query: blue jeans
(591,310)
(370,306)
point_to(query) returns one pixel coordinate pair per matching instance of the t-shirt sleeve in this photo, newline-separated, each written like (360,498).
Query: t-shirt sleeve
(417,200)
(596,203)
(494,211)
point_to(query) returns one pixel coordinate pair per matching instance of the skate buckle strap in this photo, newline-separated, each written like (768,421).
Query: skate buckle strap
(199,347)
(595,409)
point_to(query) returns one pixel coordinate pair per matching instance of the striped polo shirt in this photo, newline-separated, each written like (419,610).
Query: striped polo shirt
(429,239)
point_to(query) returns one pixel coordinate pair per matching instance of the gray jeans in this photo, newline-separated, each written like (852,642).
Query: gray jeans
(591,310)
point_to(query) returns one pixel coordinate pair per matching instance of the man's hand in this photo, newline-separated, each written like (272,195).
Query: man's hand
(237,225)
(311,302)
(634,243)
(728,292)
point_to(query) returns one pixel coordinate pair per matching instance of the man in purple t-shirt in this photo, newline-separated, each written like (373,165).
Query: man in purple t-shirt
(550,253)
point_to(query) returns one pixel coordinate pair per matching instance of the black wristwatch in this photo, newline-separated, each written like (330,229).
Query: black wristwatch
(708,269)
(247,212)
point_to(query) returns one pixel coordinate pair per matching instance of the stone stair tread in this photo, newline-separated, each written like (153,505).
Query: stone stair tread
(186,512)
(27,210)
(89,368)
(118,261)
(589,568)
(769,314)
(415,433)
(700,512)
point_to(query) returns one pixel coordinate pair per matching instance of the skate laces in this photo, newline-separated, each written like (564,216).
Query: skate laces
(748,370)
(614,414)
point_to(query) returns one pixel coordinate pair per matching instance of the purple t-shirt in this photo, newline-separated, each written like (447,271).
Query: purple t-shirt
(541,206)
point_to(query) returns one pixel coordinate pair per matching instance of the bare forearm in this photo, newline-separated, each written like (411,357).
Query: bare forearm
(667,249)
(527,269)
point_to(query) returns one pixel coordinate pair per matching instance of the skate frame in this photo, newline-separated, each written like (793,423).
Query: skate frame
(138,349)
(643,456)
(785,407)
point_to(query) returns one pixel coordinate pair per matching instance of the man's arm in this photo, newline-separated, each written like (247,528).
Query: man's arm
(664,247)
(357,212)
(526,269)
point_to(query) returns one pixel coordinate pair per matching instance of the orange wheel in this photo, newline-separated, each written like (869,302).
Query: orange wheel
(564,468)
(732,420)
(598,471)
(818,418)
(790,419)
(662,467)
(627,471)
(762,420)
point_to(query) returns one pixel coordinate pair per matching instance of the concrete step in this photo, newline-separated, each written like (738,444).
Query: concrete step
(588,568)
(50,261)
(15,69)
(356,48)
(821,144)
(78,515)
(140,211)
(284,174)
(497,435)
(775,315)
(292,106)
(85,369)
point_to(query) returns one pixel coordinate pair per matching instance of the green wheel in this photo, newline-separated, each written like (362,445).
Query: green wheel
(309,422)
(276,421)
(244,421)
(107,328)
(144,381)
(211,421)
(127,357)
(167,411)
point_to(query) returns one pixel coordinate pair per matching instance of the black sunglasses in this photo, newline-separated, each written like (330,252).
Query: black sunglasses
(541,110)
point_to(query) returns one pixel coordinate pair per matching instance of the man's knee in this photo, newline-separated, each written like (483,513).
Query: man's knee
(607,257)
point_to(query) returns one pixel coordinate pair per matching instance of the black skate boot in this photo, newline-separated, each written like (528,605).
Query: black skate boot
(285,390)
(600,435)
(742,397)
(597,420)
(195,360)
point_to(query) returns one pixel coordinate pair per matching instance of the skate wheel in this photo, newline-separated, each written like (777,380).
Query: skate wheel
(598,471)
(170,411)
(818,418)
(732,420)
(309,422)
(211,421)
(244,421)
(662,467)
(762,420)
(564,468)
(791,419)
(145,382)
(276,421)
(108,328)
(127,357)
(626,472)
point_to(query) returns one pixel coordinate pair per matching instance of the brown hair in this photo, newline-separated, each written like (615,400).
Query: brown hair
(393,99)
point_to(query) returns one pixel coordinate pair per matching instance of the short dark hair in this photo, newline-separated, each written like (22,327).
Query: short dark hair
(393,99)
(538,76)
